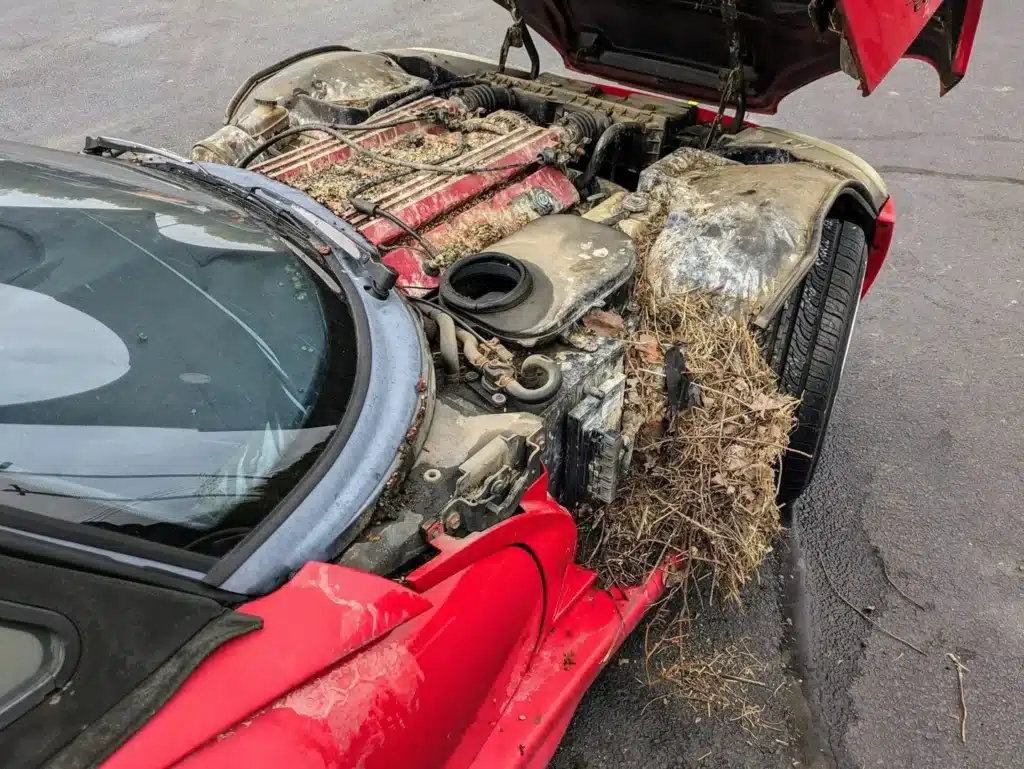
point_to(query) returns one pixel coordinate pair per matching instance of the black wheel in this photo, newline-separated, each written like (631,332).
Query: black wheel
(808,342)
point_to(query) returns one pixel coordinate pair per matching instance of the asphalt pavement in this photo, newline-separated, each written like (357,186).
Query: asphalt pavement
(923,480)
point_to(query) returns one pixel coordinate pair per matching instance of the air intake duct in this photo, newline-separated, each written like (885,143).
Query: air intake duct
(488,98)
(586,126)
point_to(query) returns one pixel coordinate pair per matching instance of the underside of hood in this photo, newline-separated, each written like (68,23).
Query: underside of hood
(694,48)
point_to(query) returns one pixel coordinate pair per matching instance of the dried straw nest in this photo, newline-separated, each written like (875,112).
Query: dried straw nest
(701,490)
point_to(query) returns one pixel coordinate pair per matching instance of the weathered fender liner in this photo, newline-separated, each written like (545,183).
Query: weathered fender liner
(746,221)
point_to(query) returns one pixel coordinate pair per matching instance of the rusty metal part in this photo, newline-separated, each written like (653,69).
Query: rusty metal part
(493,348)
(544,392)
(470,350)
(448,340)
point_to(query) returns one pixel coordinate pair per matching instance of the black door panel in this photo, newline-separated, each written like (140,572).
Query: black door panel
(125,630)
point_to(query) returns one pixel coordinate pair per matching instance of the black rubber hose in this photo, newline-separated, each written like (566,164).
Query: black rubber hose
(489,98)
(268,143)
(607,141)
(258,77)
(369,208)
(427,90)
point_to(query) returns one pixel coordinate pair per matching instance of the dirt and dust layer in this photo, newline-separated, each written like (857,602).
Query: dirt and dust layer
(374,178)
(700,494)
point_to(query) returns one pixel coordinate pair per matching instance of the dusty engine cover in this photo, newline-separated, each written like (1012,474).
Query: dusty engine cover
(574,263)
(495,200)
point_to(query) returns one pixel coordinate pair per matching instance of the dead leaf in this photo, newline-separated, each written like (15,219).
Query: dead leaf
(649,348)
(604,323)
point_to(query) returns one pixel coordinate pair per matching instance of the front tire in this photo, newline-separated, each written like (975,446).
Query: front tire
(808,342)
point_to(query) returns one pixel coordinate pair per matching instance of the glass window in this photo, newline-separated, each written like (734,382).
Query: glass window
(30,658)
(170,366)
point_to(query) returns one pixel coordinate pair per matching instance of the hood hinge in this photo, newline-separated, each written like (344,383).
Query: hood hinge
(735,87)
(518,36)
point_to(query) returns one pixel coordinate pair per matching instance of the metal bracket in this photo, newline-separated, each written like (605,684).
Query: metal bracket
(518,36)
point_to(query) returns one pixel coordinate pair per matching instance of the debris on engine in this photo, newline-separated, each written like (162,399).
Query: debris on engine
(460,191)
(702,493)
(333,184)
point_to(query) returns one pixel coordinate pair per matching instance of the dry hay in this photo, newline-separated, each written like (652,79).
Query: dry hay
(700,494)
(704,491)
(717,683)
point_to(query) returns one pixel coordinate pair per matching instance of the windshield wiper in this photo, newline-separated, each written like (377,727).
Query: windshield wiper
(115,148)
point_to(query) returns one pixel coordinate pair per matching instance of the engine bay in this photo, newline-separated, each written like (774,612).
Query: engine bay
(509,211)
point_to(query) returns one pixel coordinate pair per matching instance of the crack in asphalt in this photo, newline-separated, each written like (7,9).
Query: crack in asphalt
(982,178)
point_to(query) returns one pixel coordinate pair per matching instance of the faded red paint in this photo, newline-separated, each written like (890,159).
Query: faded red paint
(447,193)
(352,671)
(329,151)
(324,614)
(424,197)
(521,197)
(574,652)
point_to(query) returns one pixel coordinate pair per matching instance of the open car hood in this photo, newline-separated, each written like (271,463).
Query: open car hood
(682,47)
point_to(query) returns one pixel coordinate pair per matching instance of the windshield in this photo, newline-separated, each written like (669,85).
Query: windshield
(170,366)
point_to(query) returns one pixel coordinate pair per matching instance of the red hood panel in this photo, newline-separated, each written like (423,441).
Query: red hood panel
(681,47)
(881,32)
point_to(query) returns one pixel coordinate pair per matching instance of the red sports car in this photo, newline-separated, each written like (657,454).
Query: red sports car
(284,486)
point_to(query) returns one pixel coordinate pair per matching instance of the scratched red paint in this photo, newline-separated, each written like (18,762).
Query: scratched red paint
(455,191)
(327,151)
(324,614)
(560,195)
(381,706)
(435,679)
